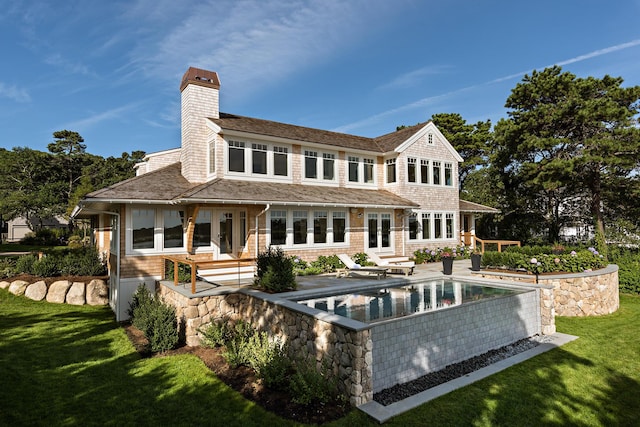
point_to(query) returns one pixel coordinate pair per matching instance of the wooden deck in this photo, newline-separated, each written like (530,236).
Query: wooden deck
(211,269)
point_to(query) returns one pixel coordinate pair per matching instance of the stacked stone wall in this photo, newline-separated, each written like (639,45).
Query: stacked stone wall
(347,352)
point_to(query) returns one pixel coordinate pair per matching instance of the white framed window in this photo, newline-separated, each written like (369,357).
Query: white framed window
(236,156)
(435,173)
(328,166)
(172,231)
(430,138)
(414,228)
(411,169)
(259,159)
(437,226)
(353,165)
(281,161)
(212,157)
(368,166)
(202,229)
(307,228)
(448,174)
(143,224)
(449,226)
(154,230)
(390,170)
(424,171)
(311,164)
(426,226)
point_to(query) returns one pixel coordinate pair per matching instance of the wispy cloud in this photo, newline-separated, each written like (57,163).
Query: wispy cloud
(253,43)
(433,99)
(15,93)
(412,78)
(68,66)
(97,118)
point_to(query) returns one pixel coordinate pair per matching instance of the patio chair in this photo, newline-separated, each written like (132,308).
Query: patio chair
(405,266)
(352,267)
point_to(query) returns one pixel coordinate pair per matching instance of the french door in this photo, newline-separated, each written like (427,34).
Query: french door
(379,234)
(230,227)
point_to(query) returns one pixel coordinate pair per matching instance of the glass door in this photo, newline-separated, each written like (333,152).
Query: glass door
(379,235)
(231,233)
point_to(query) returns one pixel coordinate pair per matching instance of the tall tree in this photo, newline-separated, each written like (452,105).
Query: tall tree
(68,147)
(568,139)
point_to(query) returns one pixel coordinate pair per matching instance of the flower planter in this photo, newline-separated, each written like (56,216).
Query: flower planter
(447,265)
(475,262)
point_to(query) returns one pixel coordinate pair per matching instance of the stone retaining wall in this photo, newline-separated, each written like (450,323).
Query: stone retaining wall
(591,293)
(348,352)
(96,292)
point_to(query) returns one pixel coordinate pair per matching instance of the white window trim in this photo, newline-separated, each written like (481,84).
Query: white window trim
(432,228)
(248,165)
(310,244)
(158,233)
(361,167)
(319,180)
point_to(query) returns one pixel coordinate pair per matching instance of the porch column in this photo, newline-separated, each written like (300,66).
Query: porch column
(192,215)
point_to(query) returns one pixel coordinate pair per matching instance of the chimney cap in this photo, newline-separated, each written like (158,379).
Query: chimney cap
(200,77)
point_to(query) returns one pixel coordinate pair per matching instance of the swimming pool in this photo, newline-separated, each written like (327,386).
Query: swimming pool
(387,303)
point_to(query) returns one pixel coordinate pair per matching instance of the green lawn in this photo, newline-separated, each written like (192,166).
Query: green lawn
(68,365)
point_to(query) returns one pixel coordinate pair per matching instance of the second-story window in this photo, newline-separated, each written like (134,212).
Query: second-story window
(311,164)
(259,158)
(411,169)
(448,174)
(368,171)
(353,168)
(280,161)
(328,168)
(424,171)
(436,173)
(236,156)
(391,170)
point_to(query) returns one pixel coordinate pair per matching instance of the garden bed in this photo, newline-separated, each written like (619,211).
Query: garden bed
(244,381)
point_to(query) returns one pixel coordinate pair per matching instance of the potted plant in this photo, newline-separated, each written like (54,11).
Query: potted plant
(476,257)
(447,261)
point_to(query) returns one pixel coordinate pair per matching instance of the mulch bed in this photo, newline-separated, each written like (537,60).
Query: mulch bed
(244,381)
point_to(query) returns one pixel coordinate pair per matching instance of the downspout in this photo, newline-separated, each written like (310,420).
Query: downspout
(258,229)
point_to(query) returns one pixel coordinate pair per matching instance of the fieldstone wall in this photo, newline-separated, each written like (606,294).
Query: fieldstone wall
(96,292)
(348,352)
(590,293)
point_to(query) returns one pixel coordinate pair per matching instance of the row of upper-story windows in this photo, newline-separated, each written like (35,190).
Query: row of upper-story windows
(425,171)
(272,160)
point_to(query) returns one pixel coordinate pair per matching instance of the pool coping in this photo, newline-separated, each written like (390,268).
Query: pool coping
(383,413)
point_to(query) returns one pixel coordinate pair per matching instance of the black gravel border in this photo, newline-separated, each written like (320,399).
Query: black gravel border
(401,391)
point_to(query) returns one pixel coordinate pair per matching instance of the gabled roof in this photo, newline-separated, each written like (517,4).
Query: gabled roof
(168,186)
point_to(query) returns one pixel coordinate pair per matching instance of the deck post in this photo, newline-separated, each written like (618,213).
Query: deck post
(175,273)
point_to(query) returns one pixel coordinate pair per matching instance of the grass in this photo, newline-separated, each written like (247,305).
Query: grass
(18,247)
(68,365)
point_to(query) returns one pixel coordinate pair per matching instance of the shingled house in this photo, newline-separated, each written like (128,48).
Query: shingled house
(239,184)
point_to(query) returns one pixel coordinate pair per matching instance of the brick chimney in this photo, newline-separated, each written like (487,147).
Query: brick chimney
(199,101)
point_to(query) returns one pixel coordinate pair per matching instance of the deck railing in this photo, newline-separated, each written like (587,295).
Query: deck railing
(500,243)
(195,265)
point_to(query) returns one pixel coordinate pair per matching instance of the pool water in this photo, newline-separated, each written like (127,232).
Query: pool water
(386,303)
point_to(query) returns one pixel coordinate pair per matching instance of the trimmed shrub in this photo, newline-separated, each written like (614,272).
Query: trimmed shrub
(156,320)
(47,266)
(275,271)
(215,334)
(268,359)
(84,261)
(7,267)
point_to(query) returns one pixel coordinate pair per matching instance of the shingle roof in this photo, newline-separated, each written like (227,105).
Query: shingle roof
(391,140)
(297,133)
(168,185)
(467,206)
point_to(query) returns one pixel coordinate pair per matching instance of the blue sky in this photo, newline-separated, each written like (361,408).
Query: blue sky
(111,70)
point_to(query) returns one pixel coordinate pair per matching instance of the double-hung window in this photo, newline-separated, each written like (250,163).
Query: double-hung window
(278,227)
(354,163)
(339,227)
(424,171)
(391,170)
(436,173)
(414,227)
(236,156)
(448,174)
(280,161)
(311,164)
(320,227)
(202,229)
(299,227)
(437,226)
(449,225)
(328,168)
(368,170)
(173,232)
(426,226)
(259,159)
(411,169)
